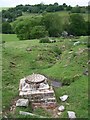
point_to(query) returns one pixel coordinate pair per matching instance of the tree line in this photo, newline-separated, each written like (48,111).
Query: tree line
(12,13)
(46,23)
(50,24)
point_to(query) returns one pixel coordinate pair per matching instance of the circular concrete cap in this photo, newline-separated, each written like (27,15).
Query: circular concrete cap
(35,78)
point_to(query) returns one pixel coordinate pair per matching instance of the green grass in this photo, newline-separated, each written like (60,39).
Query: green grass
(9,37)
(67,67)
(78,97)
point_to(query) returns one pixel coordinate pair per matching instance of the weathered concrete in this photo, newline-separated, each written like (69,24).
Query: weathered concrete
(22,102)
(71,114)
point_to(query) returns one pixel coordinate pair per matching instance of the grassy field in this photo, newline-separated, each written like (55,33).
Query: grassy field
(67,67)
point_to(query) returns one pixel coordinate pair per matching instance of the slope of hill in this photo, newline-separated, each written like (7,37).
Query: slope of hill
(66,67)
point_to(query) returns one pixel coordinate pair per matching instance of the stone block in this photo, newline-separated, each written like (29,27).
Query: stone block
(22,102)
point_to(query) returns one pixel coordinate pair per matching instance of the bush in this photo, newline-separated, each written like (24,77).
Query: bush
(38,32)
(28,29)
(6,28)
(45,40)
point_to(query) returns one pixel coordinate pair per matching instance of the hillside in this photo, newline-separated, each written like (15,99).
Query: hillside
(62,61)
(63,14)
(14,12)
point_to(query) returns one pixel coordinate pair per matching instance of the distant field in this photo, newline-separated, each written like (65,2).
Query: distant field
(3,8)
(44,58)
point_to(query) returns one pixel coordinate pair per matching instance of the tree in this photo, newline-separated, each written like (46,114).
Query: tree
(6,28)
(22,30)
(88,28)
(29,28)
(35,9)
(53,24)
(56,4)
(83,10)
(10,14)
(61,8)
(68,8)
(64,5)
(76,9)
(50,8)
(77,25)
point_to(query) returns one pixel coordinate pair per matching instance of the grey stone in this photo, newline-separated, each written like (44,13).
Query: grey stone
(76,43)
(64,33)
(64,98)
(59,113)
(22,102)
(85,72)
(5,117)
(71,114)
(29,49)
(61,108)
(88,62)
(71,36)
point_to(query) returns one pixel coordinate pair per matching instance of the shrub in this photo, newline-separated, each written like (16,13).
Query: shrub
(7,28)
(38,32)
(44,40)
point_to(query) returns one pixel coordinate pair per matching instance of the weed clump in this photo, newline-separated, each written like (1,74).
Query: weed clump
(57,50)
